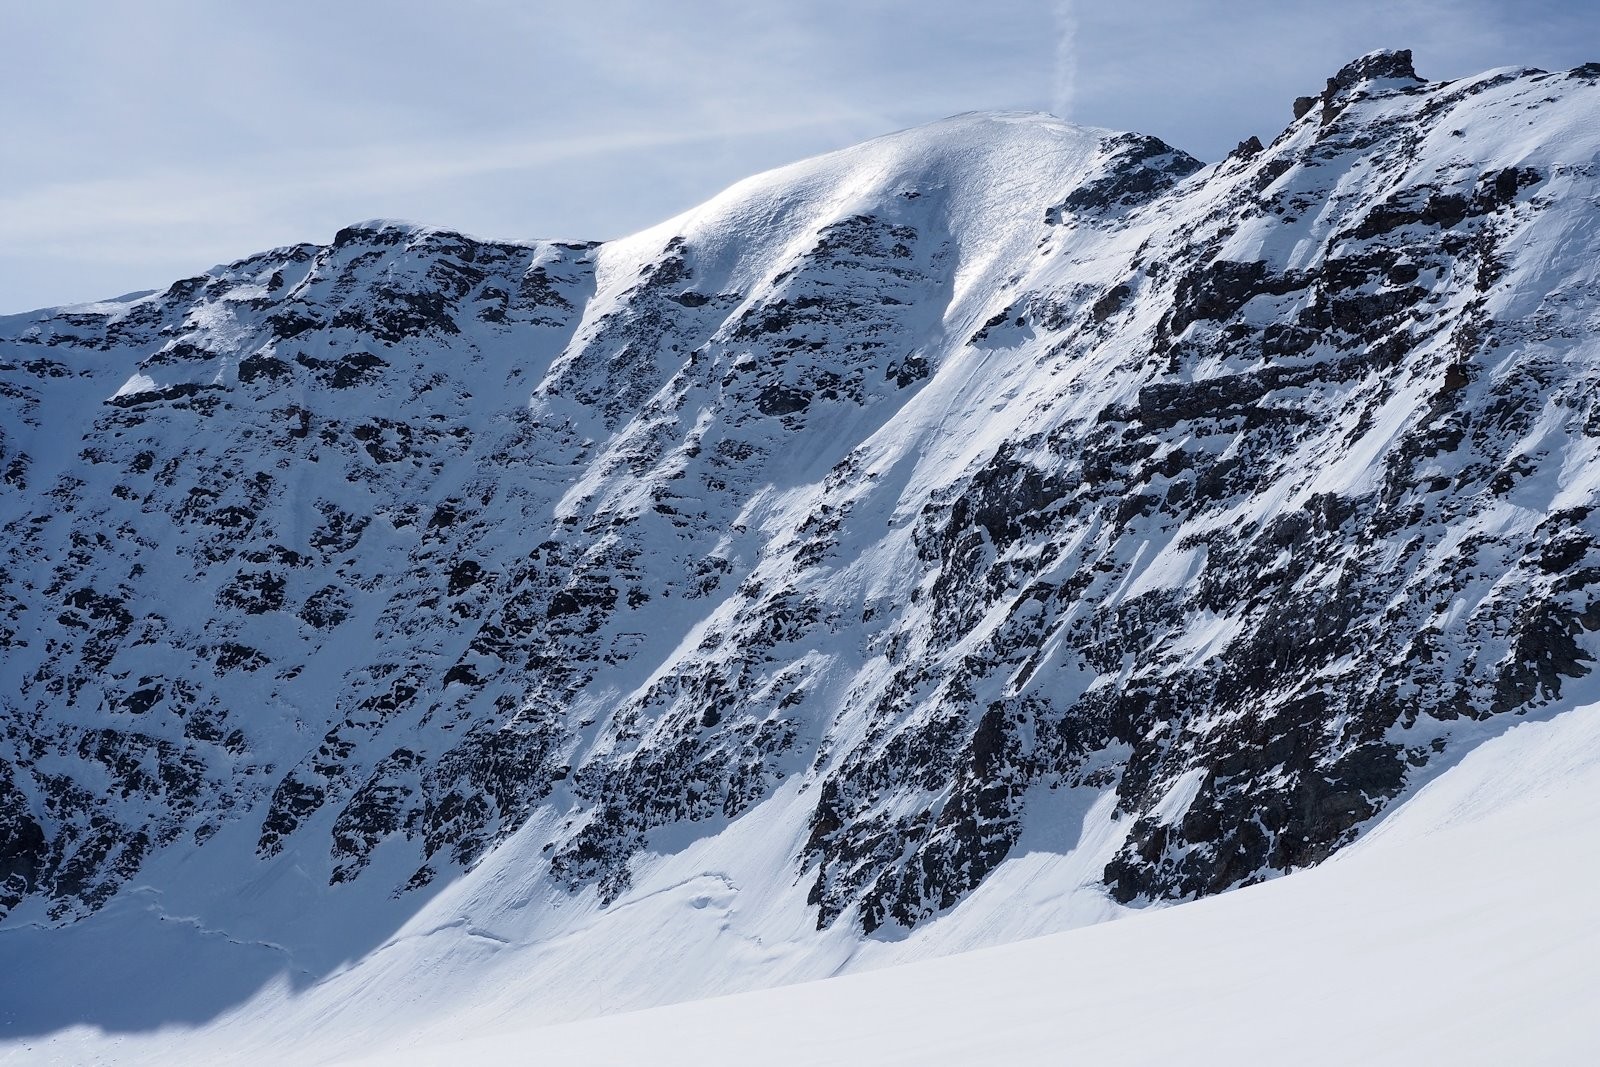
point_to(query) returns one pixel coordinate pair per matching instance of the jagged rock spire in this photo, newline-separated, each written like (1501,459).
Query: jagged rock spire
(1383,65)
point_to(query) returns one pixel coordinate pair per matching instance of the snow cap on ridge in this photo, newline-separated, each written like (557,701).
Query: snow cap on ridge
(1385,64)
(1368,72)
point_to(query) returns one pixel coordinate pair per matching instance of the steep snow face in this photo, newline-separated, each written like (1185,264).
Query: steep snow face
(998,503)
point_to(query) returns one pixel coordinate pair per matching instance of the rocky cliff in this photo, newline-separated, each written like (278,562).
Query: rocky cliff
(992,459)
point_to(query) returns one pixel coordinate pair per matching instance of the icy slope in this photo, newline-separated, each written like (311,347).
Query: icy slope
(996,512)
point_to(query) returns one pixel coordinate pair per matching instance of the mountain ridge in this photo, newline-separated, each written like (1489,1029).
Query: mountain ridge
(943,493)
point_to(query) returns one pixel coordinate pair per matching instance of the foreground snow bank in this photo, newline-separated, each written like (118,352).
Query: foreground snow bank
(1461,930)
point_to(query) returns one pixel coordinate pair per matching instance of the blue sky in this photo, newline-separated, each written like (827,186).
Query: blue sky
(143,142)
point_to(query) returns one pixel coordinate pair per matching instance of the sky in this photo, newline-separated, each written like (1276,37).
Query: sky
(144,142)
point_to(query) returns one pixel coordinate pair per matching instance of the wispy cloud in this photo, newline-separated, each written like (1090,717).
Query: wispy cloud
(1064,85)
(155,139)
(139,148)
(244,188)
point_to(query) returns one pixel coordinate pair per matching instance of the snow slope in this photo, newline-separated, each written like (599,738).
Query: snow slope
(971,535)
(1461,930)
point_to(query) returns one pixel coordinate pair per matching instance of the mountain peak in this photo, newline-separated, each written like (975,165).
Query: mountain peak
(1385,64)
(995,515)
(1391,65)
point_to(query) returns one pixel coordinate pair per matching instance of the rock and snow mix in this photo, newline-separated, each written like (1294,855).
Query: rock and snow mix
(957,537)
(1458,933)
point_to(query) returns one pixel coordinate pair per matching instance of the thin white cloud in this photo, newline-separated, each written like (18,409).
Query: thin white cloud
(155,139)
(1064,86)
(171,197)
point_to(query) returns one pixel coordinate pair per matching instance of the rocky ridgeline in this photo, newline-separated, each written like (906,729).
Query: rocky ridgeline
(1249,492)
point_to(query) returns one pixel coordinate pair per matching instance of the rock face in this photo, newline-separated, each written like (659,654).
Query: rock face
(988,459)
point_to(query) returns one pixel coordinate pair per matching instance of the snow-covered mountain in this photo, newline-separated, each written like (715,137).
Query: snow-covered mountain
(961,536)
(1436,903)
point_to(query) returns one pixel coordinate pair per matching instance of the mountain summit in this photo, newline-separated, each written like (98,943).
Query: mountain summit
(1000,509)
